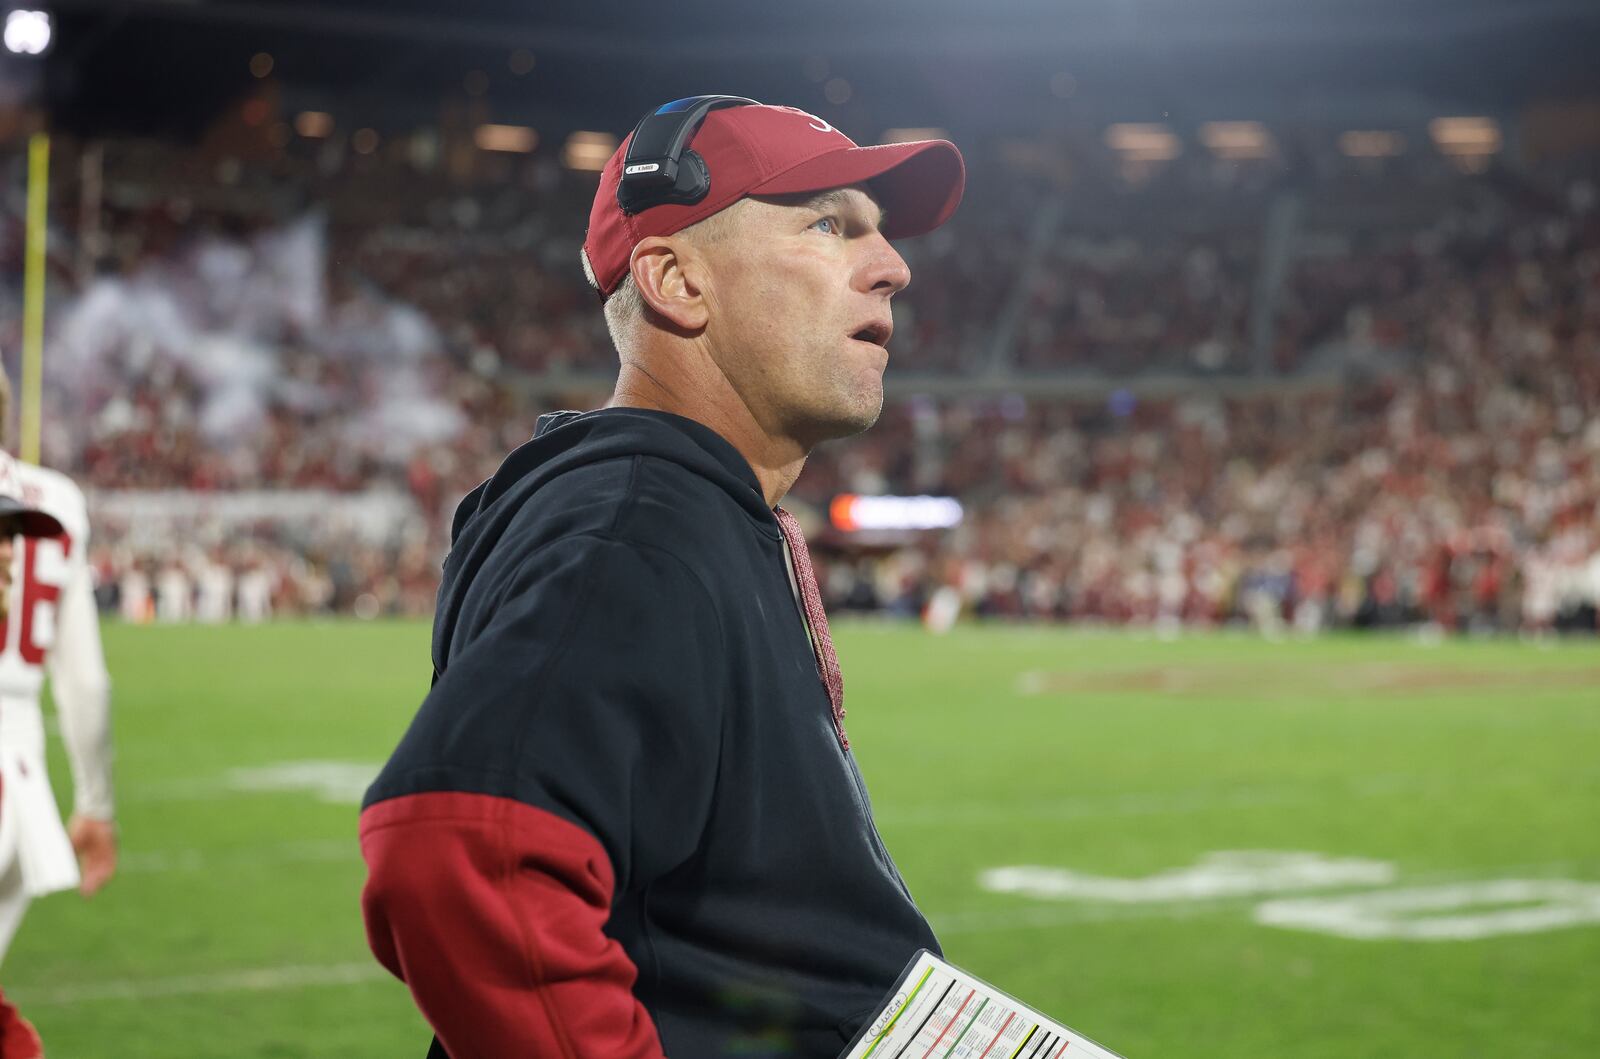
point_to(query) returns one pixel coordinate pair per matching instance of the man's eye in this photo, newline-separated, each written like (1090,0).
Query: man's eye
(828,225)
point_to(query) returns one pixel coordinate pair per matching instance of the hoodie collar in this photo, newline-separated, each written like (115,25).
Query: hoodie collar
(714,444)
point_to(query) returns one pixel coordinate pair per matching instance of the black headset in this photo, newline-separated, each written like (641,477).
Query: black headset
(659,167)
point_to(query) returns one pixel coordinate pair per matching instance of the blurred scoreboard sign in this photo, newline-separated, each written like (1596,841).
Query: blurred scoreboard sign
(851,512)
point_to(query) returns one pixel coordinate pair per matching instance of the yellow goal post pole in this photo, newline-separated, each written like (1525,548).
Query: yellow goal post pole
(33,298)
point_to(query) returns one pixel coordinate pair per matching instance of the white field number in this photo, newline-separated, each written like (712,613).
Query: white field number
(1449,912)
(1443,913)
(1228,873)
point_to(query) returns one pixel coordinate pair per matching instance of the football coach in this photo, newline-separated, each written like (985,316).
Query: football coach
(626,822)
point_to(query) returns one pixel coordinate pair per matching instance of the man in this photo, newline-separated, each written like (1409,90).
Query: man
(626,822)
(47,618)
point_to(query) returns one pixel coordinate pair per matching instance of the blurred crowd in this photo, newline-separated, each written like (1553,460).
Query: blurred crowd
(1430,451)
(264,573)
(1450,476)
(1454,501)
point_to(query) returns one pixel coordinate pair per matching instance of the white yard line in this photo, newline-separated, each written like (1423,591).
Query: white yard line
(256,980)
(334,782)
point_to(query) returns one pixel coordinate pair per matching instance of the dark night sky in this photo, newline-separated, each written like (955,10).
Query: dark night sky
(168,66)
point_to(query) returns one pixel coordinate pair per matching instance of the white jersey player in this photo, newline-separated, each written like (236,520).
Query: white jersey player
(50,626)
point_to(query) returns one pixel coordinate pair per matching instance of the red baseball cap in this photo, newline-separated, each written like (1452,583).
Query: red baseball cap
(770,150)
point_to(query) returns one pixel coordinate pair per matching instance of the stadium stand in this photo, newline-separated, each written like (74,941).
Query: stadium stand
(1336,392)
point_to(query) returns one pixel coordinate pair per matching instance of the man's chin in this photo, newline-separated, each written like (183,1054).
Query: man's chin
(848,422)
(869,417)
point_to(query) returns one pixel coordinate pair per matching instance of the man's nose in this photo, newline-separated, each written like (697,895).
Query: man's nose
(884,268)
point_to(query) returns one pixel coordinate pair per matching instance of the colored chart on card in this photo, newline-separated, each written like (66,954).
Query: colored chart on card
(938,1011)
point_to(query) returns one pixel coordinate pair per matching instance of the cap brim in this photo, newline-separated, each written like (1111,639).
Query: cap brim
(31,522)
(918,184)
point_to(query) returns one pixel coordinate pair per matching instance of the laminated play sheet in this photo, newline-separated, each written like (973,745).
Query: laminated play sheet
(938,1011)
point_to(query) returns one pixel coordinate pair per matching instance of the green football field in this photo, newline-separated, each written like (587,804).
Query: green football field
(1216,846)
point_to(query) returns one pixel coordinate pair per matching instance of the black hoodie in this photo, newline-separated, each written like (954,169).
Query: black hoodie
(628,732)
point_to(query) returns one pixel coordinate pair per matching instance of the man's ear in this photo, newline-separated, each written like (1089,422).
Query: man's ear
(667,274)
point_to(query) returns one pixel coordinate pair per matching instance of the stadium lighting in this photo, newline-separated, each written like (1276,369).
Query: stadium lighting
(28,31)
(1142,148)
(1030,156)
(1465,135)
(517,139)
(1467,141)
(588,151)
(1237,139)
(1143,142)
(1371,143)
(313,124)
(908,135)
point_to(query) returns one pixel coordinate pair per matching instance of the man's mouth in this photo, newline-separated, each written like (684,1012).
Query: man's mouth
(877,332)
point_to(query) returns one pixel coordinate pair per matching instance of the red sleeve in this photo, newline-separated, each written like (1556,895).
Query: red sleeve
(491,911)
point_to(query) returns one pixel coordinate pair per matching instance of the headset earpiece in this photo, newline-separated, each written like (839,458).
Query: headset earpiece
(659,167)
